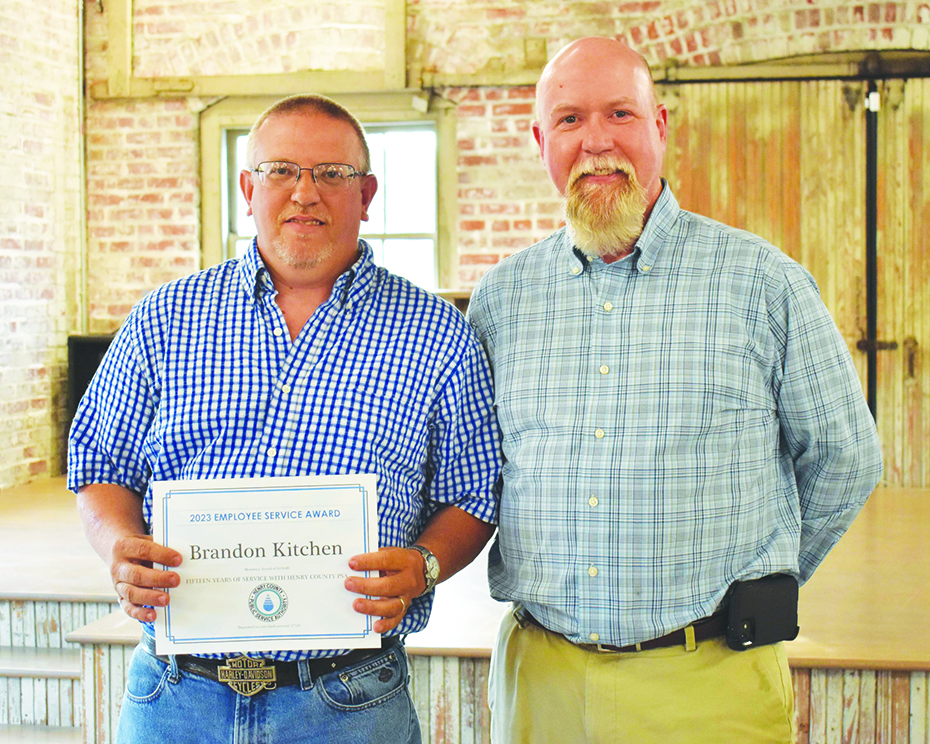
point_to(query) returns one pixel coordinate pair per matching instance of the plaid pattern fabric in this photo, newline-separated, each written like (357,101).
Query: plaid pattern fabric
(202,381)
(672,422)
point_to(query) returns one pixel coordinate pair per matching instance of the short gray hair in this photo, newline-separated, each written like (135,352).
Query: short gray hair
(310,103)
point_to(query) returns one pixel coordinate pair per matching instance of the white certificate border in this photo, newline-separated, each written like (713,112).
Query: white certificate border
(181,489)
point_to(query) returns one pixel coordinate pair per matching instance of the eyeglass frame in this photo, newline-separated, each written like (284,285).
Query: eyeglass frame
(356,173)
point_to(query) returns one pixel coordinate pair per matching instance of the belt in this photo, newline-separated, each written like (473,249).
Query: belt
(709,627)
(247,675)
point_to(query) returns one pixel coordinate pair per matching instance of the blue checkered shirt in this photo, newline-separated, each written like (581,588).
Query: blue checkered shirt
(672,422)
(203,381)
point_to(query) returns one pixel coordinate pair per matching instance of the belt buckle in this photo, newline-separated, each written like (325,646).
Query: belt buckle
(247,676)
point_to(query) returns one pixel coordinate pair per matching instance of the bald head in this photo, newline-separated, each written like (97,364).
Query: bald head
(584,58)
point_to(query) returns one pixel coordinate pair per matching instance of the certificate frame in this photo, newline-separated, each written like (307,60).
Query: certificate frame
(234,598)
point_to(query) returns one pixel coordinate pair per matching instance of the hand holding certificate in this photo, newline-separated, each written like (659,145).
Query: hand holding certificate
(265,562)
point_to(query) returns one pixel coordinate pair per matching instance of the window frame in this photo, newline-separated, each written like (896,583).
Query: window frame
(375,108)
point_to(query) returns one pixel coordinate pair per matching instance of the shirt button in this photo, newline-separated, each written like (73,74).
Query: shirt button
(644,268)
(592,571)
(285,388)
(608,306)
(576,270)
(594,501)
(603,369)
(272,452)
(595,637)
(599,433)
(277,331)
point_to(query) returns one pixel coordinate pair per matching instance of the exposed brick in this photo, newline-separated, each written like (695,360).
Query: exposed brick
(472,259)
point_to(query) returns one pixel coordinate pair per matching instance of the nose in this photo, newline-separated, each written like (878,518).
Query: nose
(598,137)
(305,191)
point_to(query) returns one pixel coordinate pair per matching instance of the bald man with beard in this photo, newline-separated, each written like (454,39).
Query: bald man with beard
(681,422)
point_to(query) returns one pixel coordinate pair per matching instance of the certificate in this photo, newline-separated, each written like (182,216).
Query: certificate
(264,561)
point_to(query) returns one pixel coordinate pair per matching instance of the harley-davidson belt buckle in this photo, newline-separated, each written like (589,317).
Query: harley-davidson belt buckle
(247,676)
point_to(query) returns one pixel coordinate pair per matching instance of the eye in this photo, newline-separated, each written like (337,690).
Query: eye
(280,170)
(621,114)
(332,174)
(570,119)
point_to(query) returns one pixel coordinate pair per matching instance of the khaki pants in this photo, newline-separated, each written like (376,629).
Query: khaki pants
(543,688)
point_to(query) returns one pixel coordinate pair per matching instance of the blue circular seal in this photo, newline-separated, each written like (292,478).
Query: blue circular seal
(268,602)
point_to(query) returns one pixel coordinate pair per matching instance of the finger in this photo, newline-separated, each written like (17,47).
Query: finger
(135,574)
(405,583)
(141,596)
(385,559)
(143,614)
(144,549)
(391,610)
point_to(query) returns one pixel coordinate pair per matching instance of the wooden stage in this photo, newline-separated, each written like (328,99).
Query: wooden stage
(864,616)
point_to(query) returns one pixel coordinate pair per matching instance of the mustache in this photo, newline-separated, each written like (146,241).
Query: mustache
(603,165)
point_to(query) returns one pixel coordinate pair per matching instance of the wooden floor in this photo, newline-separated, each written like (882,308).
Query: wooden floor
(867,607)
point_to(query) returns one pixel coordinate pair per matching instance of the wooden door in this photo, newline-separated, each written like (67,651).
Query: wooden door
(903,375)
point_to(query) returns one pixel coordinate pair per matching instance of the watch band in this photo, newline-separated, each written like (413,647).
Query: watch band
(430,568)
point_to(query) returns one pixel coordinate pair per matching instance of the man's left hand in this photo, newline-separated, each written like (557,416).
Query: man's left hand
(400,580)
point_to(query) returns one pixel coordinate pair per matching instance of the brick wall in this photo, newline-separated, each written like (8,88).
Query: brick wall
(495,35)
(142,202)
(505,199)
(177,37)
(39,218)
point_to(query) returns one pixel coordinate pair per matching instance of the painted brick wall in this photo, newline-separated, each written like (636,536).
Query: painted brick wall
(142,202)
(39,218)
(494,35)
(505,199)
(185,37)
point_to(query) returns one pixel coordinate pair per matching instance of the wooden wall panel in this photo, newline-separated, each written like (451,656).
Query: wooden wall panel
(784,160)
(903,399)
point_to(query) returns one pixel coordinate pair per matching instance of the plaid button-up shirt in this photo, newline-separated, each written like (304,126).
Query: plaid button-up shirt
(672,422)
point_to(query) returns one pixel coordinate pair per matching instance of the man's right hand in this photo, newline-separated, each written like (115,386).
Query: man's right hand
(137,583)
(112,519)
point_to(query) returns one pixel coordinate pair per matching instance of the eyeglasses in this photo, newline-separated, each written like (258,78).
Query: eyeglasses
(280,174)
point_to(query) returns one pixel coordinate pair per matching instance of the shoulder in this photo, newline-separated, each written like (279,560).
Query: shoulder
(527,271)
(402,307)
(741,251)
(193,288)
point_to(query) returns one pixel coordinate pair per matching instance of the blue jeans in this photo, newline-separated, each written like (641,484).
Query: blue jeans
(368,702)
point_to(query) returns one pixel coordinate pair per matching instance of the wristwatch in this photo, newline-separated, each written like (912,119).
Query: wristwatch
(430,568)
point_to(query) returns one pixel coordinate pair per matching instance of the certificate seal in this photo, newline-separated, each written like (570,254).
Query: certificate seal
(268,602)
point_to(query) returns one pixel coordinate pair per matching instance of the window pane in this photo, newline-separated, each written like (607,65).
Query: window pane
(410,198)
(412,259)
(242,246)
(375,222)
(244,224)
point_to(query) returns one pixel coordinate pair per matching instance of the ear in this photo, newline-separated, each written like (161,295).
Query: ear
(246,184)
(369,189)
(662,122)
(540,139)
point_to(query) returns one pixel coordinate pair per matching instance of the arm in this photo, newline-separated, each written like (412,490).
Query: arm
(112,520)
(452,535)
(825,423)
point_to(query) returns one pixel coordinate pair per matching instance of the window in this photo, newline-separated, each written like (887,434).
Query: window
(402,228)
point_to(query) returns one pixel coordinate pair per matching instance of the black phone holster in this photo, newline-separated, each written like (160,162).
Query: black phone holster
(762,611)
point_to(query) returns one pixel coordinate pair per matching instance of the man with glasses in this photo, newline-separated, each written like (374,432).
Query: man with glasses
(303,357)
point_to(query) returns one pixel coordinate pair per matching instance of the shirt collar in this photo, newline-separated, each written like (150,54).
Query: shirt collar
(658,228)
(350,287)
